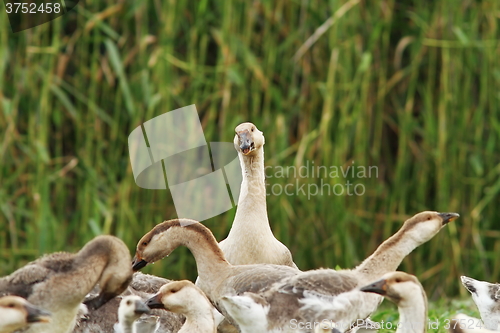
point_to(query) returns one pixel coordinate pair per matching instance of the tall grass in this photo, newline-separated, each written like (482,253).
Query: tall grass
(409,87)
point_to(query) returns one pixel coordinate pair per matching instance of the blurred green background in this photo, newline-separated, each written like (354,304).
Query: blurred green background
(411,87)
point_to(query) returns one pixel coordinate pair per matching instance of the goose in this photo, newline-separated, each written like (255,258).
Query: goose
(462,323)
(130,309)
(58,282)
(408,294)
(251,240)
(486,296)
(144,286)
(290,293)
(185,298)
(17,313)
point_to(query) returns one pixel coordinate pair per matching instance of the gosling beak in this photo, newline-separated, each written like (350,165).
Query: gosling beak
(246,142)
(100,300)
(141,308)
(448,217)
(379,287)
(468,283)
(36,315)
(138,264)
(155,302)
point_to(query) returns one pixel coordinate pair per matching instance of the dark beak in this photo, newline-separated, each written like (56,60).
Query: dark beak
(448,217)
(155,302)
(379,287)
(141,308)
(468,283)
(138,264)
(36,315)
(97,302)
(245,141)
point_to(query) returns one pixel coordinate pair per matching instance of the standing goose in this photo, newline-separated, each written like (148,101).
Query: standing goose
(58,282)
(17,313)
(185,298)
(130,309)
(486,296)
(251,240)
(290,293)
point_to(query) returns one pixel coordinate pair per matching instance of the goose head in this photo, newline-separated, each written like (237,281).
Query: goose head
(131,308)
(164,238)
(399,287)
(247,309)
(486,296)
(425,225)
(177,296)
(117,273)
(248,139)
(16,313)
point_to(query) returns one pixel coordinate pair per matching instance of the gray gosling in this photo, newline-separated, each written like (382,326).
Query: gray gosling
(486,296)
(130,309)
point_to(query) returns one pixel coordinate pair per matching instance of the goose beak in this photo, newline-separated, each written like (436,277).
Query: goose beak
(155,302)
(100,300)
(141,308)
(448,217)
(138,264)
(36,315)
(379,287)
(246,142)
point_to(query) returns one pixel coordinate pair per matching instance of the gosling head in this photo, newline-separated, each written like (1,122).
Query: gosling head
(425,225)
(487,298)
(179,297)
(131,308)
(16,313)
(399,287)
(117,274)
(165,238)
(247,309)
(248,139)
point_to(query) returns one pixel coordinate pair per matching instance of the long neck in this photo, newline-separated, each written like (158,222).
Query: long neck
(252,199)
(387,257)
(413,317)
(210,260)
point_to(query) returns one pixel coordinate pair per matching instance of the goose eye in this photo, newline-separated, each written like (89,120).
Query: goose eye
(144,243)
(428,219)
(129,302)
(398,280)
(11,305)
(252,129)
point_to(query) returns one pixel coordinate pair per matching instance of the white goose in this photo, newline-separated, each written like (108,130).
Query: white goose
(17,313)
(291,294)
(59,282)
(185,298)
(486,296)
(130,309)
(251,240)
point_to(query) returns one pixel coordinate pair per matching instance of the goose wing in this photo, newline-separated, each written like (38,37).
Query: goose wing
(326,282)
(257,278)
(22,281)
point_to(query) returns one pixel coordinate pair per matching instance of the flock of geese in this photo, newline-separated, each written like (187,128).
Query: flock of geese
(247,283)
